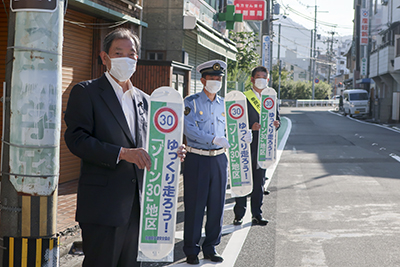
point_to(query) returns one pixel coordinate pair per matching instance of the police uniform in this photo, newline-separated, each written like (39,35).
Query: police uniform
(205,172)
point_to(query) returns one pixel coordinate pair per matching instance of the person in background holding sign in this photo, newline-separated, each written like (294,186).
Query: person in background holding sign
(205,173)
(106,127)
(259,79)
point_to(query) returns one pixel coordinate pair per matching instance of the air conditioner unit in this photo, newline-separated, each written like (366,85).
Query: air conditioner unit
(384,2)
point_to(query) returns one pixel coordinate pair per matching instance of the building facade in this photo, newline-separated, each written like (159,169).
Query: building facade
(186,32)
(85,25)
(384,60)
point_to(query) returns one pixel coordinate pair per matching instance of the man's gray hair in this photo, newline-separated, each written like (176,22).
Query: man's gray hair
(121,33)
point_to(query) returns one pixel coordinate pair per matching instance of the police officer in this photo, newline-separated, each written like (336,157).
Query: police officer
(205,172)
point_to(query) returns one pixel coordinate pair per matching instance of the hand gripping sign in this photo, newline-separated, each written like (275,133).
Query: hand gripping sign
(239,152)
(160,185)
(266,153)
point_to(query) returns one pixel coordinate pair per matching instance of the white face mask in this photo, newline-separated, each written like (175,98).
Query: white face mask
(213,86)
(122,68)
(260,83)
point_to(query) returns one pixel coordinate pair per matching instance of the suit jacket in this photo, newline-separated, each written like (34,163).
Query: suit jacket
(96,130)
(254,116)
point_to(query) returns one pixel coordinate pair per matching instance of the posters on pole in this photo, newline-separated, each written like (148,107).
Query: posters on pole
(240,171)
(266,154)
(160,183)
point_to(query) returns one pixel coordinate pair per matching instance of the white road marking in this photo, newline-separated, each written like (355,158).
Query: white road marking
(239,235)
(395,157)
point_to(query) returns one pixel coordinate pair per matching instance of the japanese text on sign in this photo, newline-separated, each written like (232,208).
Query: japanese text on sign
(239,156)
(364,26)
(160,190)
(251,9)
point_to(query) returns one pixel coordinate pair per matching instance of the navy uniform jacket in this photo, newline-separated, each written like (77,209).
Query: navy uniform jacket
(96,130)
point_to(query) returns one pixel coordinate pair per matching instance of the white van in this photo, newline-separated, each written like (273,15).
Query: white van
(355,102)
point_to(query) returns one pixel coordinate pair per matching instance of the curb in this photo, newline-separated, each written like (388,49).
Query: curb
(67,238)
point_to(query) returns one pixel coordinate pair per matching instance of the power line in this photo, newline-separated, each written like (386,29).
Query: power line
(293,27)
(304,56)
(287,7)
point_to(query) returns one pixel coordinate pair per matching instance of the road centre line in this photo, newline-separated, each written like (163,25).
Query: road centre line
(395,157)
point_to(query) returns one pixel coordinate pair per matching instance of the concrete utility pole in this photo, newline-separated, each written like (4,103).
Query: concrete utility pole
(330,57)
(31,133)
(279,61)
(315,52)
(266,30)
(311,55)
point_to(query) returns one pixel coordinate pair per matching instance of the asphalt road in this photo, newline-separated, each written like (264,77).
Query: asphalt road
(336,195)
(335,200)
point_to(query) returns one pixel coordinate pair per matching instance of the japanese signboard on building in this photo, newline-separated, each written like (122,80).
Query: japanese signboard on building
(364,65)
(160,184)
(364,24)
(239,153)
(266,153)
(251,9)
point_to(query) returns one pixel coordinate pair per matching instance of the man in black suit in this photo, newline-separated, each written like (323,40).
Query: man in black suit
(106,127)
(259,79)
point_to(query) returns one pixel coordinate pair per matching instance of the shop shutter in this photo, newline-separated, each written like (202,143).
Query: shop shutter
(197,55)
(76,67)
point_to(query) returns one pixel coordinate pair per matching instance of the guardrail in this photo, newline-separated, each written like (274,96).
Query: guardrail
(308,102)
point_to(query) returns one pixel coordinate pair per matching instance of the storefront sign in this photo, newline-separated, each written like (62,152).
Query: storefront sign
(364,32)
(251,9)
(364,63)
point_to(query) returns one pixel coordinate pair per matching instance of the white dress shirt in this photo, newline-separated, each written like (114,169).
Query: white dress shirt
(256,93)
(126,101)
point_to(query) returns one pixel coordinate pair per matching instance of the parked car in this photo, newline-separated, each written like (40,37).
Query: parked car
(355,102)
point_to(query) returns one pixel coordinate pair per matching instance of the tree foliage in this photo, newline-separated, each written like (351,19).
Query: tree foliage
(247,57)
(300,89)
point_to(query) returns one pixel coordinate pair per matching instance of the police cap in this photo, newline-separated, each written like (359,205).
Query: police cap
(212,67)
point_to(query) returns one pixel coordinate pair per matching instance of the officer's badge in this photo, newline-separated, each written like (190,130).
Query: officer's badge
(223,114)
(216,67)
(187,111)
